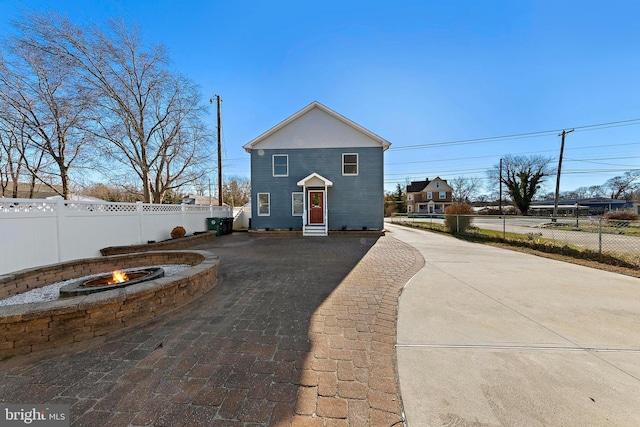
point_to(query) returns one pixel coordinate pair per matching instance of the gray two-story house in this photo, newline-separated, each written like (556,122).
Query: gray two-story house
(317,171)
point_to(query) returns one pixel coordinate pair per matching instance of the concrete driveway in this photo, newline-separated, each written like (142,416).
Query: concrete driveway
(490,337)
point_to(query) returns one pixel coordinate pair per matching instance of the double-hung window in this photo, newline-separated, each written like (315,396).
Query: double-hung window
(280,164)
(350,164)
(442,195)
(264,204)
(297,204)
(429,195)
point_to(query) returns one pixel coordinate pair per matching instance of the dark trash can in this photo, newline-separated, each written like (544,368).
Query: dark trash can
(215,224)
(227,225)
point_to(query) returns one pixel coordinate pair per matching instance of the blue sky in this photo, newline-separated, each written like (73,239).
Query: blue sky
(417,73)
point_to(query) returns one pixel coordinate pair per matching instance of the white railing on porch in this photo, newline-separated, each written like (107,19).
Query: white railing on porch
(36,232)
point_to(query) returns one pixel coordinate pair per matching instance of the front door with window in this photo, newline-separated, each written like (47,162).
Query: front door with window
(316,207)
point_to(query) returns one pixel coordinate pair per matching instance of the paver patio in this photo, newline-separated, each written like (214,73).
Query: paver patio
(298,332)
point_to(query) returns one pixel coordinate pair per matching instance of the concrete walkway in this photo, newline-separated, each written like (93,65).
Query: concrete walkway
(491,337)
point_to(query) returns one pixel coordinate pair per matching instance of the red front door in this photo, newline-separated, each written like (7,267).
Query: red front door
(316,207)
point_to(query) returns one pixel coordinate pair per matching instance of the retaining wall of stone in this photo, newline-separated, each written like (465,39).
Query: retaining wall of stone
(173,244)
(25,328)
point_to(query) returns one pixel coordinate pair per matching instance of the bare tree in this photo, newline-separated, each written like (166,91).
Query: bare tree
(624,186)
(10,159)
(465,189)
(522,177)
(108,193)
(44,102)
(578,193)
(150,120)
(21,162)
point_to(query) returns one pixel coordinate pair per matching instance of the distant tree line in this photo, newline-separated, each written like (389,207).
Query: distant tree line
(522,179)
(80,100)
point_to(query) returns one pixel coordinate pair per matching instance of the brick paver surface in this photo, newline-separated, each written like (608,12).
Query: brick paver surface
(298,332)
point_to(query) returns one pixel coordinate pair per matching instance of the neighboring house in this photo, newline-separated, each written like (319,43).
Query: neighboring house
(40,191)
(317,171)
(193,199)
(431,197)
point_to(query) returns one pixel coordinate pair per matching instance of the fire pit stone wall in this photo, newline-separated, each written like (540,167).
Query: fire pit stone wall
(30,327)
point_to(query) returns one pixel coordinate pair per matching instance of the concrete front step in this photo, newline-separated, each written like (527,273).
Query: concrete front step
(314,230)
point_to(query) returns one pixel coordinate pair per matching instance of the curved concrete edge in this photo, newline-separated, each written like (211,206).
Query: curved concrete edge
(31,327)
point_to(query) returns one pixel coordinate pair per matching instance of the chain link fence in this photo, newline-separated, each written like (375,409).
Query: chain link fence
(618,238)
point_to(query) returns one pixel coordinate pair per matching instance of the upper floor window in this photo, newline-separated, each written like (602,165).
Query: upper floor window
(437,184)
(442,195)
(429,195)
(280,165)
(350,164)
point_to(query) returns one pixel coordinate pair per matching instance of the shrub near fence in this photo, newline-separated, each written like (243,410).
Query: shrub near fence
(458,217)
(36,232)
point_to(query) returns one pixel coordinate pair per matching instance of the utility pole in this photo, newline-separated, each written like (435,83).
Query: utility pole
(218,100)
(555,204)
(500,203)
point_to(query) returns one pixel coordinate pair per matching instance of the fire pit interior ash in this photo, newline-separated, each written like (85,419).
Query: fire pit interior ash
(105,282)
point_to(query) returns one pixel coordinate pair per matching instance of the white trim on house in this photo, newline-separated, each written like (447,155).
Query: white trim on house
(318,182)
(324,207)
(268,204)
(293,203)
(311,180)
(299,137)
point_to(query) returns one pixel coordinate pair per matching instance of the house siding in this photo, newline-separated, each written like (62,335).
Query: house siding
(353,201)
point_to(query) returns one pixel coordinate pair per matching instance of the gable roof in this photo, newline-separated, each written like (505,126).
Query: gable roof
(314,177)
(434,184)
(417,186)
(315,106)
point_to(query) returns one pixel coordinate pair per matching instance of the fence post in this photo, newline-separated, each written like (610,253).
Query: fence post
(600,236)
(60,216)
(504,227)
(140,210)
(458,224)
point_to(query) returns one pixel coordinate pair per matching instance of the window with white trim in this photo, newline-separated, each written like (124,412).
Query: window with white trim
(429,195)
(264,204)
(297,204)
(437,184)
(442,195)
(280,163)
(349,163)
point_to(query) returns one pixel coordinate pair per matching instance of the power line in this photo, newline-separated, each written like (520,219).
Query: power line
(440,160)
(517,135)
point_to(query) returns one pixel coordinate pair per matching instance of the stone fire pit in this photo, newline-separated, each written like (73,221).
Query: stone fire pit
(25,328)
(108,282)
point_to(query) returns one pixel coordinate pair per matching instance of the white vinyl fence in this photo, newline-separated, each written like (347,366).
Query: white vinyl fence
(35,232)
